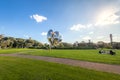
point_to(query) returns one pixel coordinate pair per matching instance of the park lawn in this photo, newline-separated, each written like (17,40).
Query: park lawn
(14,50)
(13,68)
(85,55)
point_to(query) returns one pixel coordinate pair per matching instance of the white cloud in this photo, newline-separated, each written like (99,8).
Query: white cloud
(108,16)
(105,17)
(86,38)
(116,38)
(26,36)
(100,37)
(78,27)
(89,25)
(44,33)
(91,32)
(38,18)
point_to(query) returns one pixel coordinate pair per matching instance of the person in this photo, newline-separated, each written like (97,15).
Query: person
(112,53)
(101,51)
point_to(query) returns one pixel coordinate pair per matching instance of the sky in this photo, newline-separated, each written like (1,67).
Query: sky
(76,20)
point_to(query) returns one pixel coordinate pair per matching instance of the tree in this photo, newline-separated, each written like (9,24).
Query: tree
(67,45)
(60,46)
(76,44)
(116,45)
(37,44)
(11,42)
(100,44)
(46,46)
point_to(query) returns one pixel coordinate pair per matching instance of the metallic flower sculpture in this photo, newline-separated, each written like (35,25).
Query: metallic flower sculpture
(53,37)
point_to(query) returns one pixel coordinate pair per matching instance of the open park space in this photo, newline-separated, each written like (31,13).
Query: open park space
(21,68)
(59,39)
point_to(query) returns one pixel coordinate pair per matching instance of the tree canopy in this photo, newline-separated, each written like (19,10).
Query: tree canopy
(11,42)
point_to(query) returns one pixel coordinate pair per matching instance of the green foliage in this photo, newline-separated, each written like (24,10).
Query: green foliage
(10,42)
(12,68)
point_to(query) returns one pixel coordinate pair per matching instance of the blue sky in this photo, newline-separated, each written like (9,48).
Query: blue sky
(76,20)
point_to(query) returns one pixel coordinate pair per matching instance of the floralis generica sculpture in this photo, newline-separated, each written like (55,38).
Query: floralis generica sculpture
(54,38)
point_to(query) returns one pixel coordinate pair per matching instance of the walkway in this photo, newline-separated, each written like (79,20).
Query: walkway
(84,64)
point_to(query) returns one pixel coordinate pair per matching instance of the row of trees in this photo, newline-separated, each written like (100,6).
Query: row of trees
(11,42)
(99,44)
(85,45)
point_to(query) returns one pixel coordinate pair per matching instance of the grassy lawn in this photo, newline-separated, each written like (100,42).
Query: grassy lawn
(86,55)
(8,51)
(12,68)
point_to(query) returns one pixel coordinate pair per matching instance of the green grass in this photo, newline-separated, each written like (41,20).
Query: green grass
(9,51)
(13,68)
(86,55)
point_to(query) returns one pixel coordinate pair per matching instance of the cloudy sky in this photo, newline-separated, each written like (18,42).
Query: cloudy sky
(76,20)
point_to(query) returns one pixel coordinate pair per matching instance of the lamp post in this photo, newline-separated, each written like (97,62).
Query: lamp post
(111,40)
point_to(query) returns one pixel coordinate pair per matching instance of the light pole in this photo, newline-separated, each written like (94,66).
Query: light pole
(111,40)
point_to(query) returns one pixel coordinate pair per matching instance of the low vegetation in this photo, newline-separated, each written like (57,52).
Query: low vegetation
(12,68)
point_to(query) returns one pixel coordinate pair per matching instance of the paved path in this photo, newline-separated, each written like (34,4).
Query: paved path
(84,64)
